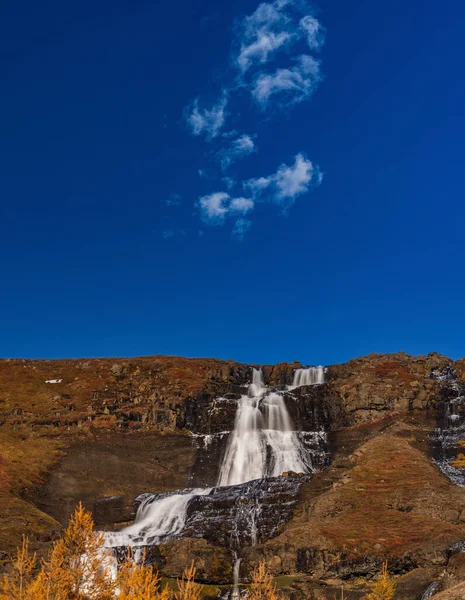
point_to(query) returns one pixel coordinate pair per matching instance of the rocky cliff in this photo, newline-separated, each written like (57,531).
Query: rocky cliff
(95,429)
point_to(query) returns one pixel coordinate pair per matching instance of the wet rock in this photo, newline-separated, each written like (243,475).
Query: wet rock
(245,514)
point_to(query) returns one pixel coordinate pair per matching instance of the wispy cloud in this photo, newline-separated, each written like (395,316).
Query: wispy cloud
(315,32)
(238,148)
(287,183)
(241,227)
(289,86)
(275,26)
(216,207)
(207,121)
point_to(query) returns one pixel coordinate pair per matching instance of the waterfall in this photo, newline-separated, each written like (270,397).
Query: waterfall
(156,519)
(236,592)
(257,387)
(263,442)
(310,376)
(450,433)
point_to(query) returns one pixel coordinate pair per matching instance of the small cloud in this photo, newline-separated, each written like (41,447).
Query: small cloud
(168,233)
(173,200)
(240,147)
(207,121)
(261,34)
(216,207)
(314,30)
(241,227)
(258,51)
(291,85)
(287,183)
(242,205)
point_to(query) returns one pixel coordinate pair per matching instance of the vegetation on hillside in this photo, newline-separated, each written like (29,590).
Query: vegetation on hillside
(79,568)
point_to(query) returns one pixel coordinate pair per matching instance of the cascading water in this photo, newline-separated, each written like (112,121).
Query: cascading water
(157,519)
(236,592)
(263,442)
(449,436)
(310,376)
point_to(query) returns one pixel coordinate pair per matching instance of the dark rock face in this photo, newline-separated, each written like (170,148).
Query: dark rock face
(312,408)
(315,407)
(450,433)
(246,514)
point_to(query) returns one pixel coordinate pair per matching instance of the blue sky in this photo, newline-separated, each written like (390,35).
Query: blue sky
(259,182)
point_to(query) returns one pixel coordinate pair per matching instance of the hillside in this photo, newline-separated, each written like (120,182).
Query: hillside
(105,431)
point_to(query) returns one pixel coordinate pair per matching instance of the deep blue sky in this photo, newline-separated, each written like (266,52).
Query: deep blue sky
(94,142)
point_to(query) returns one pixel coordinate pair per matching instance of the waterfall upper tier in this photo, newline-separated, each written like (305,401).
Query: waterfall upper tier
(309,376)
(263,442)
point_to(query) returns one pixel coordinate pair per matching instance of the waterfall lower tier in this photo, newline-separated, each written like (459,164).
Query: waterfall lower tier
(231,516)
(159,516)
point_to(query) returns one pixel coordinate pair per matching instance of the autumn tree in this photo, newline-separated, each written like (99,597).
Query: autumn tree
(138,581)
(262,586)
(187,588)
(384,587)
(15,585)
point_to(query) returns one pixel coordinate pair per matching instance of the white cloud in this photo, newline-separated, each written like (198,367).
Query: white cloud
(291,85)
(259,50)
(242,205)
(244,143)
(241,226)
(314,30)
(208,121)
(216,207)
(287,183)
(292,181)
(273,27)
(261,34)
(240,147)
(259,184)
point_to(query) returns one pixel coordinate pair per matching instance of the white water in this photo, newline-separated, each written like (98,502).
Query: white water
(263,442)
(155,520)
(310,376)
(236,592)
